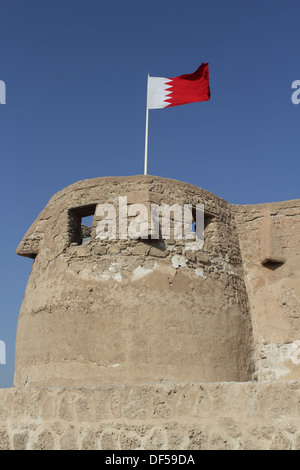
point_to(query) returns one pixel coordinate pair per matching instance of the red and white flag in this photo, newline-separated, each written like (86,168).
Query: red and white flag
(189,88)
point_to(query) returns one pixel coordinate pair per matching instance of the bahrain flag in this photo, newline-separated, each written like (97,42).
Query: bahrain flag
(189,88)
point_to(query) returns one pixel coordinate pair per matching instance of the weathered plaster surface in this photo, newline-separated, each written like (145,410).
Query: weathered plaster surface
(165,416)
(142,344)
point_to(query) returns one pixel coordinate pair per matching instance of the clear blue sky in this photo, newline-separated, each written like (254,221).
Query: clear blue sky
(75,73)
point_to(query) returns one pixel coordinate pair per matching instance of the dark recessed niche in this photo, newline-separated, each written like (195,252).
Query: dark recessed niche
(272,264)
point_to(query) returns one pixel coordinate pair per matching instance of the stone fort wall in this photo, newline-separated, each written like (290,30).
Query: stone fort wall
(166,416)
(145,344)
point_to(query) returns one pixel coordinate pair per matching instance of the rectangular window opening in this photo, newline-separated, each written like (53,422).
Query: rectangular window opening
(208,218)
(80,224)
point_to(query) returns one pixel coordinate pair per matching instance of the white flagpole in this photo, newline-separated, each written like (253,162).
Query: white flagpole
(146,133)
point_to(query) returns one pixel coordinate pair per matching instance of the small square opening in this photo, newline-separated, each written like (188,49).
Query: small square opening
(80,223)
